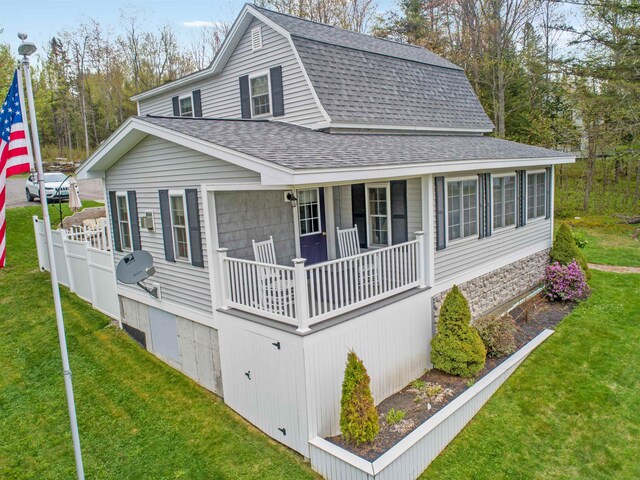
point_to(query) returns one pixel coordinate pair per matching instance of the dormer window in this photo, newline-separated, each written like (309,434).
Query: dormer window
(256,39)
(186,106)
(260,97)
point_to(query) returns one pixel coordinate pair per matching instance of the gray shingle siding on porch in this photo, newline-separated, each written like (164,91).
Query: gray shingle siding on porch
(243,216)
(300,148)
(355,86)
(155,164)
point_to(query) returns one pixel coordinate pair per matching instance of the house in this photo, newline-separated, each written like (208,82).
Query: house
(296,130)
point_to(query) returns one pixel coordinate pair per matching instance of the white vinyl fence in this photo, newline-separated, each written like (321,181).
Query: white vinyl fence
(84,263)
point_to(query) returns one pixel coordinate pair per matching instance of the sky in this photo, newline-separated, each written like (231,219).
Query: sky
(42,19)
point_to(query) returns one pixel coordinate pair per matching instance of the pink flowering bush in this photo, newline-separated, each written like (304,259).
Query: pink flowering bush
(565,282)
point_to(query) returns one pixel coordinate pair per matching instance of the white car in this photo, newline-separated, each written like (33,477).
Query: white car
(56,186)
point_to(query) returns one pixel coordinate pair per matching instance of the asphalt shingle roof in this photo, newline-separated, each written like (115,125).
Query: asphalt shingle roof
(346,38)
(300,148)
(355,86)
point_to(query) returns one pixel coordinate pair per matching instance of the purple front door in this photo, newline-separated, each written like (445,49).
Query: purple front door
(311,218)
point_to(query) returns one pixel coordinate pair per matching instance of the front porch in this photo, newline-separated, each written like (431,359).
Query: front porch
(304,295)
(313,277)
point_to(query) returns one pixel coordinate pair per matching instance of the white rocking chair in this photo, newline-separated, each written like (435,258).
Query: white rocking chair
(349,246)
(276,292)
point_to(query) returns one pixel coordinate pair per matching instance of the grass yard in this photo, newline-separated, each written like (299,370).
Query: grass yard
(608,241)
(138,418)
(573,409)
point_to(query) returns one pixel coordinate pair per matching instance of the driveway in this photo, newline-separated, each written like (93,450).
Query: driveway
(89,190)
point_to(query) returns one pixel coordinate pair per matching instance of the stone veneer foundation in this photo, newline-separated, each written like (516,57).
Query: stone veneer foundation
(495,288)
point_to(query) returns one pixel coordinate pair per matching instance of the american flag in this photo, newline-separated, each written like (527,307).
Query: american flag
(14,156)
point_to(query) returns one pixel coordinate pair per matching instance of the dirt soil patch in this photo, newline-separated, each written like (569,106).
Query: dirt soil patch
(427,395)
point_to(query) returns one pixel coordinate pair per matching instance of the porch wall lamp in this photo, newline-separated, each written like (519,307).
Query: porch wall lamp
(292,198)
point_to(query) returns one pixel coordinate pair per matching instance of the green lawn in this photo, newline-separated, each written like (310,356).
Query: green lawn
(572,411)
(608,241)
(138,418)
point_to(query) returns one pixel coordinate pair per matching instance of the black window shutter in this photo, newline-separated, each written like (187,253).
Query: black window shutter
(133,220)
(277,96)
(176,106)
(245,99)
(165,216)
(548,193)
(482,207)
(115,226)
(197,103)
(359,212)
(521,185)
(441,239)
(399,224)
(484,193)
(195,236)
(489,195)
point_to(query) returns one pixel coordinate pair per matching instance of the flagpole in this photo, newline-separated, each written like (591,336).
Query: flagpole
(26,49)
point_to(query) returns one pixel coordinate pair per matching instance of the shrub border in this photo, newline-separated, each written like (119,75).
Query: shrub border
(410,456)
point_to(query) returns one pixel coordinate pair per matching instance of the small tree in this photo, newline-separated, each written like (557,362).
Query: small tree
(457,348)
(565,250)
(358,414)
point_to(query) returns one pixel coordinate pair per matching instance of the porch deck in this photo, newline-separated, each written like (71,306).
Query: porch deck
(305,295)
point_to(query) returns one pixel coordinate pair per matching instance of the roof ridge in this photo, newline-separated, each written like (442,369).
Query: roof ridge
(372,37)
(338,28)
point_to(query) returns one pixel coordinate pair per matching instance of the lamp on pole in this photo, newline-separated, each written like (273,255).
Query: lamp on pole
(26,49)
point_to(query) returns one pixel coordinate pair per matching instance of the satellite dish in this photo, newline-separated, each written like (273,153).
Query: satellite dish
(136,267)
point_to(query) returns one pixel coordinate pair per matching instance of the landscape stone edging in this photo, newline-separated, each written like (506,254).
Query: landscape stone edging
(375,468)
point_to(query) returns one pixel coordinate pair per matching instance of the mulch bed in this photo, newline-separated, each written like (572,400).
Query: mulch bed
(532,317)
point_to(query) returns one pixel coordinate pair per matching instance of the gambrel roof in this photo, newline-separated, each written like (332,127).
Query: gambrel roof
(364,82)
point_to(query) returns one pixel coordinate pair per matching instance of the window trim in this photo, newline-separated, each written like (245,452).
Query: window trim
(319,212)
(461,239)
(515,180)
(120,194)
(183,195)
(265,73)
(387,186)
(526,195)
(182,97)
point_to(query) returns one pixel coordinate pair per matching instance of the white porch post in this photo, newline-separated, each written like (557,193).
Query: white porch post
(428,224)
(422,269)
(301,295)
(223,302)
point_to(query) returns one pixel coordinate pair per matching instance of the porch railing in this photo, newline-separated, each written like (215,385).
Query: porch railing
(97,236)
(304,295)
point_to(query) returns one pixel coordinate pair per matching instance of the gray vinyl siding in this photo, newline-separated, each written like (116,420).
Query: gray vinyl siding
(462,257)
(344,215)
(414,206)
(221,94)
(156,164)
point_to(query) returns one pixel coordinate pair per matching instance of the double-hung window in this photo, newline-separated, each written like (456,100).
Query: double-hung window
(309,211)
(378,213)
(536,195)
(462,208)
(504,201)
(186,106)
(122,205)
(179,228)
(260,98)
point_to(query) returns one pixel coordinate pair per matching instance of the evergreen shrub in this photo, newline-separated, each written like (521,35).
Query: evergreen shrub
(457,348)
(565,250)
(358,414)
